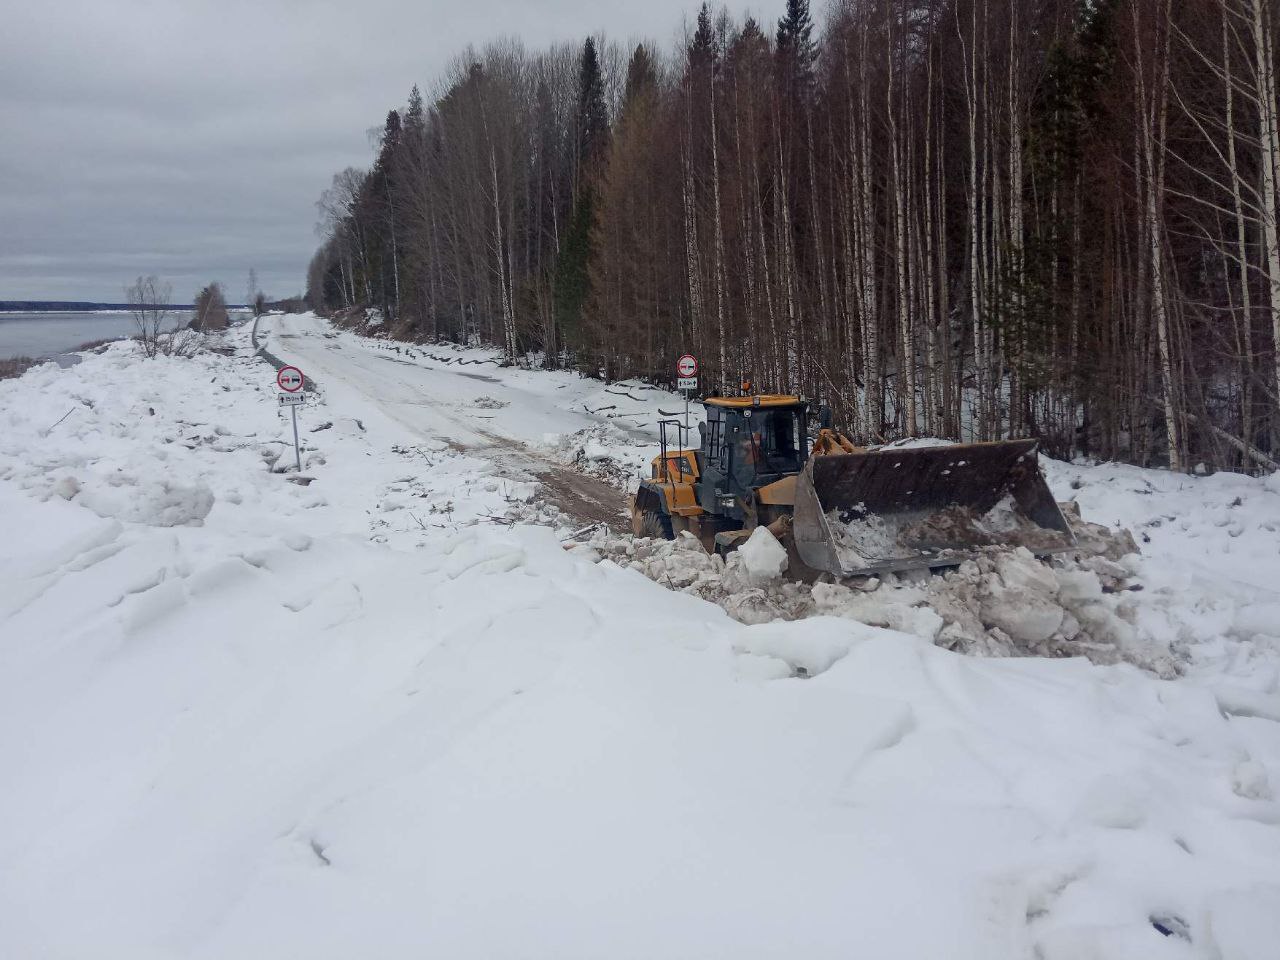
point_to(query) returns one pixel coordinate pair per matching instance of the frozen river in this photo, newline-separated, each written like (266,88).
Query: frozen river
(48,334)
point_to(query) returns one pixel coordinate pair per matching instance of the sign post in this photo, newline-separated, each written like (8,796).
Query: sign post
(290,381)
(687,382)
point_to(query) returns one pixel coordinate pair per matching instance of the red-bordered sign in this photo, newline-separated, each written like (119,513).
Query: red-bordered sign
(687,365)
(289,379)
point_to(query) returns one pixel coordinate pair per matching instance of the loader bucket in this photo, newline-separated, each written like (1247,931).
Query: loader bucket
(903,509)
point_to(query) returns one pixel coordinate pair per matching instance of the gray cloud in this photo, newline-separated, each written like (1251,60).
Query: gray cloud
(191,138)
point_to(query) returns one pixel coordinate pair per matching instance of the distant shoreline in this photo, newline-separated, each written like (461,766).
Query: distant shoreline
(75,306)
(70,306)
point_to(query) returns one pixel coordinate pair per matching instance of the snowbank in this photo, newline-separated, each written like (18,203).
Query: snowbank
(1002,603)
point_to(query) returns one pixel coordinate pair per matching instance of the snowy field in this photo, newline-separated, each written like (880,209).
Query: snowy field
(388,713)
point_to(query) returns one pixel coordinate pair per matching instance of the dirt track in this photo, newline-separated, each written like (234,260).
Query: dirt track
(584,498)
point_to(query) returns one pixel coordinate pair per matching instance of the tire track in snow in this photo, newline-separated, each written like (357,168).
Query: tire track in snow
(394,391)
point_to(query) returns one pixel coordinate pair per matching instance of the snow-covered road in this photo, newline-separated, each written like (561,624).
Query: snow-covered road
(474,411)
(243,718)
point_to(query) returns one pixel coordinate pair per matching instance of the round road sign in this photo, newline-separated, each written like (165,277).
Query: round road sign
(687,366)
(290,379)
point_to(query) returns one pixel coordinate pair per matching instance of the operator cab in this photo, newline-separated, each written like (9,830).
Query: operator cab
(748,442)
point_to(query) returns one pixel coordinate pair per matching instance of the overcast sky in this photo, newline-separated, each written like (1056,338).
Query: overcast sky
(191,138)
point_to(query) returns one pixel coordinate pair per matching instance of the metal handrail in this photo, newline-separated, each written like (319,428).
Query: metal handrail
(681,430)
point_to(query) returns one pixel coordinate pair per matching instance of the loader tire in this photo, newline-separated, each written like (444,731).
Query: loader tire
(656,525)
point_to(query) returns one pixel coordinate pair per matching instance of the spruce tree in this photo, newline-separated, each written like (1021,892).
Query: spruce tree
(593,118)
(642,77)
(573,282)
(415,116)
(797,51)
(573,278)
(702,49)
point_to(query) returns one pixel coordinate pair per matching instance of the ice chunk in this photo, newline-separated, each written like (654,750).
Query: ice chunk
(1258,618)
(1078,586)
(764,557)
(1019,569)
(1022,614)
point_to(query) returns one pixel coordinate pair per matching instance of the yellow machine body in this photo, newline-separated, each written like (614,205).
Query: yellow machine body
(675,475)
(841,508)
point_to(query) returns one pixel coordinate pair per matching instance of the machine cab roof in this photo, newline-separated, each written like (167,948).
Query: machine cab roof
(760,400)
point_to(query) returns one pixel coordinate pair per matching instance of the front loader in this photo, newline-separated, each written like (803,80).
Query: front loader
(839,508)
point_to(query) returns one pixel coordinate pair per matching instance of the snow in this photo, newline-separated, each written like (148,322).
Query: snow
(861,538)
(763,556)
(1004,517)
(400,712)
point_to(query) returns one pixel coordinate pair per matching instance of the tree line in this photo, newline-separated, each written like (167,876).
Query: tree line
(963,218)
(150,300)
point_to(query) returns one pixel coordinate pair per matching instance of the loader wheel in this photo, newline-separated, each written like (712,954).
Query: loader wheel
(655,525)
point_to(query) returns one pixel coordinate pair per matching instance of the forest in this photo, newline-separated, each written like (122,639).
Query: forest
(972,219)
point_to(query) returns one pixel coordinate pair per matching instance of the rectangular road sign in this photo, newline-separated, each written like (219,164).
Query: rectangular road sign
(292,399)
(687,383)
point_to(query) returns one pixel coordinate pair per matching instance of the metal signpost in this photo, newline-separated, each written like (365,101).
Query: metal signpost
(290,381)
(687,382)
